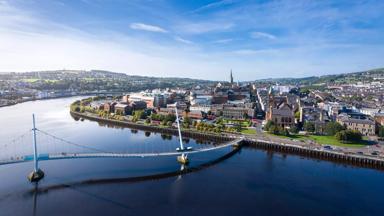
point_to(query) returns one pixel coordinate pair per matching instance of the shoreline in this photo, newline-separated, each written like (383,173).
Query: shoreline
(256,142)
(56,97)
(152,128)
(42,99)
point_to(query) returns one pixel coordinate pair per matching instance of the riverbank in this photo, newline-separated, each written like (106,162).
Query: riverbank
(85,94)
(39,99)
(152,128)
(347,155)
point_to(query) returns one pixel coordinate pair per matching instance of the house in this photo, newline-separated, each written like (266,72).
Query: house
(230,111)
(379,118)
(97,105)
(138,105)
(319,117)
(110,107)
(280,112)
(361,123)
(193,114)
(123,109)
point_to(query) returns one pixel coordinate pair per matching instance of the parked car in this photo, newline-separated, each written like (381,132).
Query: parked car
(375,153)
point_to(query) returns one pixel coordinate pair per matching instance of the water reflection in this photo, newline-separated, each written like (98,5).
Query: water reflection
(166,137)
(147,133)
(184,169)
(35,192)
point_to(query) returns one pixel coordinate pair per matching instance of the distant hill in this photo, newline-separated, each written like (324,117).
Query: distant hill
(345,78)
(79,80)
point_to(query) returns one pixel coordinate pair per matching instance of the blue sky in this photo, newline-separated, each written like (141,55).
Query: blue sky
(198,39)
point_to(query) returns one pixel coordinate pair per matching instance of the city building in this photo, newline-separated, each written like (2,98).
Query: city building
(123,109)
(280,112)
(361,123)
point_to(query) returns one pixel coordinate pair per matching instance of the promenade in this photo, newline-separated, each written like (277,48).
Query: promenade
(357,156)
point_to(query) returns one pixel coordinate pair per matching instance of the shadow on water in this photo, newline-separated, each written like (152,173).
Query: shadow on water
(183,170)
(77,186)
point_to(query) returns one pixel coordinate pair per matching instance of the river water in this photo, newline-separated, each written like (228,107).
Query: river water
(250,182)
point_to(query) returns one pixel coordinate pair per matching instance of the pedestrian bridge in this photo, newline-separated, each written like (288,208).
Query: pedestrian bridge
(64,155)
(55,148)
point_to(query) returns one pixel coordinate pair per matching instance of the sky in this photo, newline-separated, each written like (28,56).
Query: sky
(204,39)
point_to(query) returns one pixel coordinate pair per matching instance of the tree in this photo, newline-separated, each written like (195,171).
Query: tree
(348,135)
(274,129)
(187,122)
(309,127)
(139,114)
(297,115)
(245,116)
(294,130)
(170,117)
(77,109)
(220,120)
(169,123)
(238,126)
(331,128)
(249,123)
(284,131)
(148,120)
(194,124)
(135,119)
(381,132)
(119,112)
(268,125)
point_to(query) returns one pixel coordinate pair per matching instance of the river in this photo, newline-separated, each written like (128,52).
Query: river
(250,182)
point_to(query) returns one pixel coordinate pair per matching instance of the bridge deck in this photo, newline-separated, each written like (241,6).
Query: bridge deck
(116,155)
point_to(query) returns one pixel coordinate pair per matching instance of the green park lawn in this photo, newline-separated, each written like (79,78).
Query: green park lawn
(45,80)
(327,140)
(249,131)
(331,140)
(242,122)
(30,80)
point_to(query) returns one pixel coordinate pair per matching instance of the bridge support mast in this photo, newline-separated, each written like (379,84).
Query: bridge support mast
(183,158)
(37,174)
(178,127)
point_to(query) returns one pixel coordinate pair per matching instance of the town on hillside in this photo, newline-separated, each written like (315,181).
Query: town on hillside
(340,114)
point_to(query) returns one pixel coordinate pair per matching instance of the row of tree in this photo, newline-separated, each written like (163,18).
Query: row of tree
(330,129)
(348,135)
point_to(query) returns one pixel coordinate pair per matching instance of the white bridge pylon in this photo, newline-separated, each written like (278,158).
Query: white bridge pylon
(21,150)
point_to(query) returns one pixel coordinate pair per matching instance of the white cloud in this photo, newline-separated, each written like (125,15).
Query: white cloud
(259,35)
(146,27)
(182,40)
(223,41)
(29,42)
(205,27)
(213,5)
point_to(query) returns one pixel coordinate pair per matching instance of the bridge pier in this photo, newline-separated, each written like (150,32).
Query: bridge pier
(183,159)
(37,174)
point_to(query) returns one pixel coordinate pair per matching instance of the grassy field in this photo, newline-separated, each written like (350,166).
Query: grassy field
(30,80)
(327,140)
(331,140)
(34,80)
(242,122)
(249,131)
